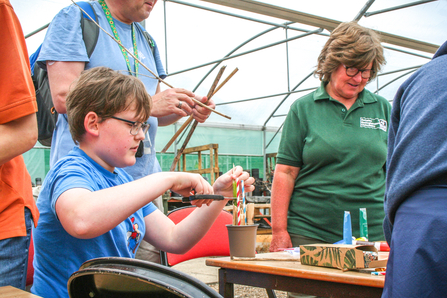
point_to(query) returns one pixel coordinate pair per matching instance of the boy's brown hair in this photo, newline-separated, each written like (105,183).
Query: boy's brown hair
(352,45)
(105,92)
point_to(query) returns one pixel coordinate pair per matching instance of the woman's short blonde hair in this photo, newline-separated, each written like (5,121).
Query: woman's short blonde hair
(105,92)
(352,45)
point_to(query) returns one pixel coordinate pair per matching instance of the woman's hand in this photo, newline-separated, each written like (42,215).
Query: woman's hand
(280,240)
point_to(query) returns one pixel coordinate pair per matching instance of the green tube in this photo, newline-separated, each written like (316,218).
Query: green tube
(363,223)
(234,192)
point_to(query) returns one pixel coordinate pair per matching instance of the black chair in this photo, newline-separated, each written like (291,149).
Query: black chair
(124,277)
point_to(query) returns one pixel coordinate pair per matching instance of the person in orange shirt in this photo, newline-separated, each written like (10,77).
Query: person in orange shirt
(18,130)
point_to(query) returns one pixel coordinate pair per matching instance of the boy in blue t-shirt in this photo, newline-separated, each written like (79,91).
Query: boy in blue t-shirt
(91,208)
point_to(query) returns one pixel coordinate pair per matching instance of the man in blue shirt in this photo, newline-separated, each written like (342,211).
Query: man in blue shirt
(416,184)
(64,56)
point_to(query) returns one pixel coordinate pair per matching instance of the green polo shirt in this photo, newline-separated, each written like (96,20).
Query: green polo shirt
(341,155)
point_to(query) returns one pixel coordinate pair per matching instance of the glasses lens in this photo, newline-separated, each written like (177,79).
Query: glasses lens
(351,71)
(136,128)
(366,74)
(145,127)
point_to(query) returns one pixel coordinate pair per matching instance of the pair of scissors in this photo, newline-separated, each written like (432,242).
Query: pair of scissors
(202,197)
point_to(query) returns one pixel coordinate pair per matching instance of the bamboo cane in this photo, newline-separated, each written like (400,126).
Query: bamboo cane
(191,131)
(188,121)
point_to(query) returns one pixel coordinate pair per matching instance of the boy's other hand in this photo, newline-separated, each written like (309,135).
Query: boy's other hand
(224,184)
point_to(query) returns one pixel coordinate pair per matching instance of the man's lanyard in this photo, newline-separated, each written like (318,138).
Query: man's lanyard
(115,33)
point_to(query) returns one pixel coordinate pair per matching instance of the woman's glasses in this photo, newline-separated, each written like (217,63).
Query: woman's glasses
(352,72)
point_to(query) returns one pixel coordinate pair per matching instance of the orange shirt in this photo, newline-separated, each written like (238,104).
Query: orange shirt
(17,99)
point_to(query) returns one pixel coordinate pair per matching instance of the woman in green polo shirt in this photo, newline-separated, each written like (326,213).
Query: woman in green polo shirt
(333,147)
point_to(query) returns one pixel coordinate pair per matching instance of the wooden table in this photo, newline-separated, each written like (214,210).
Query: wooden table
(291,276)
(8,291)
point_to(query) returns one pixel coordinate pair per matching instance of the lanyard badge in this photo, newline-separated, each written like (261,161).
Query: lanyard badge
(115,33)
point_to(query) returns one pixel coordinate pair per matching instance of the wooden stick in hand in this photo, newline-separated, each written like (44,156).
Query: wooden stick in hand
(189,120)
(191,131)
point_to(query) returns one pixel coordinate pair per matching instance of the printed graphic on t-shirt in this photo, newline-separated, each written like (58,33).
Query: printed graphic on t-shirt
(141,55)
(134,236)
(373,123)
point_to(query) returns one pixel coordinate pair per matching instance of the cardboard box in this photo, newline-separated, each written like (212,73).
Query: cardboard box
(341,256)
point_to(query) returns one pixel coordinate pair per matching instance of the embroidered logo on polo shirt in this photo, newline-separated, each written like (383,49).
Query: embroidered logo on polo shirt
(373,123)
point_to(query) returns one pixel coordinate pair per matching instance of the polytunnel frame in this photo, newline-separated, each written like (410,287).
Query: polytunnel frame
(321,23)
(280,12)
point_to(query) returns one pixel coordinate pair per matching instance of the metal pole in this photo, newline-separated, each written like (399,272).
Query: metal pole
(166,36)
(363,10)
(368,14)
(266,96)
(251,51)
(37,31)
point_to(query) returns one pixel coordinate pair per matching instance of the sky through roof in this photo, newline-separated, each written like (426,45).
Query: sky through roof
(192,36)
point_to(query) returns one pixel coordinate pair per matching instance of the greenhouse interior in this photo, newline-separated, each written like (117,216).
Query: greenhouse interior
(269,50)
(337,150)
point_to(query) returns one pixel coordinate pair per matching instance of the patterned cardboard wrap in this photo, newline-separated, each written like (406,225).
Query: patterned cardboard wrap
(344,257)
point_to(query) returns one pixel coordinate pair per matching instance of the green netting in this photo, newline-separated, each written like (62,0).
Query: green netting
(225,162)
(236,146)
(37,163)
(231,141)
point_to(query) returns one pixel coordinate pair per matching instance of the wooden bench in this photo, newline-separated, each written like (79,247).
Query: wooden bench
(262,211)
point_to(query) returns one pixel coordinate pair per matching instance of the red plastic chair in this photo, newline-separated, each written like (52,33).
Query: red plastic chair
(30,270)
(214,243)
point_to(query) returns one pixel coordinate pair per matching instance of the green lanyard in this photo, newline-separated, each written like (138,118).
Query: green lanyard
(134,41)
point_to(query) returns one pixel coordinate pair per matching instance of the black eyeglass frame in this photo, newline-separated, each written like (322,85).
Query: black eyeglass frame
(135,125)
(371,72)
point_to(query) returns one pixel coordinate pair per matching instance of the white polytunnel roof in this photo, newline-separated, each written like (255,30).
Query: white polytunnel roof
(273,44)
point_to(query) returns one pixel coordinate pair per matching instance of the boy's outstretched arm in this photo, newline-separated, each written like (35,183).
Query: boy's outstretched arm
(165,235)
(87,214)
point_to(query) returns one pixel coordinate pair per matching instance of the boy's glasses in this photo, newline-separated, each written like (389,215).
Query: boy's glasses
(135,126)
(352,72)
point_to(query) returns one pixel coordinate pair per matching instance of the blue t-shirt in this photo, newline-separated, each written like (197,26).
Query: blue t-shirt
(63,42)
(57,254)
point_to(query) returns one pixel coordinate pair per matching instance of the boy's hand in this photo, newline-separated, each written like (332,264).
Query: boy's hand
(185,183)
(199,203)
(224,184)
